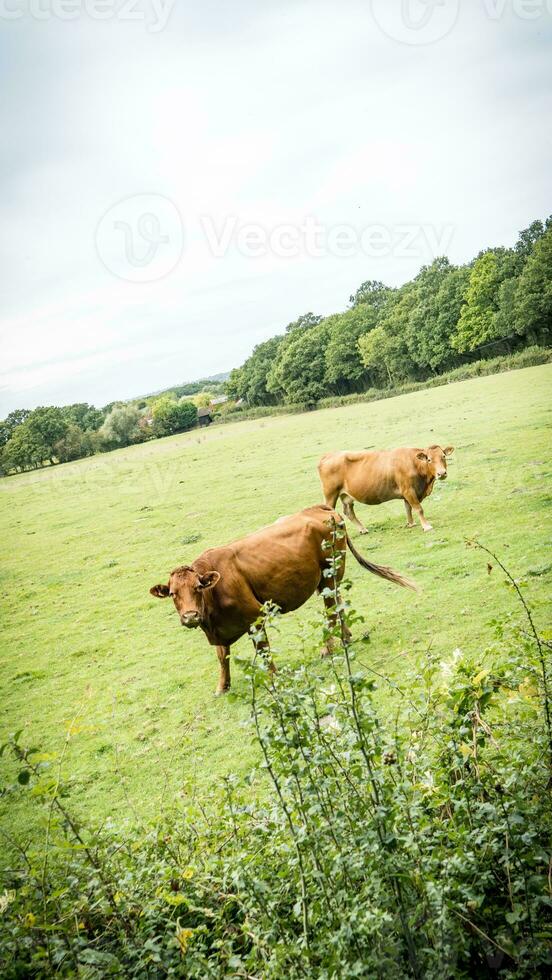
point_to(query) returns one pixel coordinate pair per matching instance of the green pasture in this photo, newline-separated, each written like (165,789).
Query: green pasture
(86,649)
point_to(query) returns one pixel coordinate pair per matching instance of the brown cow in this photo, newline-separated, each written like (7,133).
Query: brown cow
(224,589)
(375,477)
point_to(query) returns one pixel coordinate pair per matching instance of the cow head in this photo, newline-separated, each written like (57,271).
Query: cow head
(187,589)
(434,462)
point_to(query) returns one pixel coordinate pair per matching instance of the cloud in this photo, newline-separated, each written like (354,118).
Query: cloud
(265,114)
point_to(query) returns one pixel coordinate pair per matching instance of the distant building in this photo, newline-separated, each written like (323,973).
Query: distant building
(219,400)
(204,417)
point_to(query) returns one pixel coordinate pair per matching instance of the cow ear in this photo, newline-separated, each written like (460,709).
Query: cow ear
(448,451)
(423,456)
(160,591)
(208,580)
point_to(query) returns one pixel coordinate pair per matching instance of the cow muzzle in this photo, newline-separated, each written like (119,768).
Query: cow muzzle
(190,620)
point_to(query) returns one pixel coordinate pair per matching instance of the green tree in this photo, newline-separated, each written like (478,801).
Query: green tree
(75,444)
(381,354)
(86,416)
(504,325)
(203,399)
(34,437)
(393,343)
(10,423)
(529,237)
(440,291)
(250,380)
(299,370)
(236,384)
(275,377)
(170,416)
(450,302)
(344,368)
(304,322)
(373,292)
(25,450)
(47,425)
(479,322)
(121,426)
(187,415)
(532,301)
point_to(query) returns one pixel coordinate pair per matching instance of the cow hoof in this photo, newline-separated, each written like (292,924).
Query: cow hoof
(219,693)
(410,525)
(428,527)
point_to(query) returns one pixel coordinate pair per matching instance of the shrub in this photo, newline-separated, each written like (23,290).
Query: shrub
(121,427)
(529,357)
(261,412)
(411,847)
(170,416)
(76,443)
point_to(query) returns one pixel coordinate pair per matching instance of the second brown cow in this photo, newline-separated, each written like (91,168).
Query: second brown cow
(376,477)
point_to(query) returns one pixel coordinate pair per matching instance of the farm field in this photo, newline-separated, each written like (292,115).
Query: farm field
(85,647)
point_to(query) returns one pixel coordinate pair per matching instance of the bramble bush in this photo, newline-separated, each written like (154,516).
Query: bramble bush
(409,842)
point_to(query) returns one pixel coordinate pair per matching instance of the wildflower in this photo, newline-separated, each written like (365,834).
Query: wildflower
(183,936)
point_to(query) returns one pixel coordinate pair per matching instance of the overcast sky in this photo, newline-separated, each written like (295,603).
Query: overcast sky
(178,186)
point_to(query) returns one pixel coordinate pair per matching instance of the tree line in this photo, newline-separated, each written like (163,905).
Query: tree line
(50,434)
(446,316)
(500,302)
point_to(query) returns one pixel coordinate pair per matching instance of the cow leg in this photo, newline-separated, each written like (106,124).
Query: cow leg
(408,509)
(223,653)
(330,496)
(411,499)
(349,511)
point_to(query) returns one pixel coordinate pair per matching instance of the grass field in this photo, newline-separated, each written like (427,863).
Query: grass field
(84,542)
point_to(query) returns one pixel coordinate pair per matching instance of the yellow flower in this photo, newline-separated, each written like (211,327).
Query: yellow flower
(30,920)
(188,873)
(183,936)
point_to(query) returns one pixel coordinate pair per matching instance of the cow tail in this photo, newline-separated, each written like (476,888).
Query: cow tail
(382,570)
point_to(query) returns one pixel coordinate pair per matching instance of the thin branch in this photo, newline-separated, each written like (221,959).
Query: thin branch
(536,638)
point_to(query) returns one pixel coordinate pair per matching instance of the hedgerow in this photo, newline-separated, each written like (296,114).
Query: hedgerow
(529,357)
(407,842)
